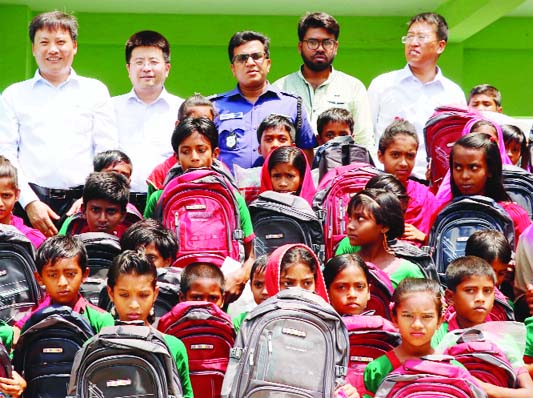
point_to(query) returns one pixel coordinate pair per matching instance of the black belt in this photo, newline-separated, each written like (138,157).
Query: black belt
(53,193)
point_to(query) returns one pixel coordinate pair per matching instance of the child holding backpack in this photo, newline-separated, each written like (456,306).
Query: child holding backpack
(131,285)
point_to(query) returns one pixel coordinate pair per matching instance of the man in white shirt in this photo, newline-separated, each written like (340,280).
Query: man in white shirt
(147,114)
(320,85)
(413,93)
(54,123)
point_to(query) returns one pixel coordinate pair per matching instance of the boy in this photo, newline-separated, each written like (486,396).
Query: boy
(273,132)
(195,142)
(485,97)
(202,282)
(105,197)
(61,263)
(159,243)
(332,123)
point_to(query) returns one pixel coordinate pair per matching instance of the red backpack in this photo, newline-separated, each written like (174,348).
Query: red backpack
(208,335)
(381,290)
(201,208)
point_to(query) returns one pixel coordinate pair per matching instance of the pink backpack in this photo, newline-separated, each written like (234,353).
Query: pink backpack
(371,336)
(201,208)
(333,195)
(381,290)
(429,378)
(208,335)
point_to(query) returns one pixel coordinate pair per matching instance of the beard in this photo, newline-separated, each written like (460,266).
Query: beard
(317,66)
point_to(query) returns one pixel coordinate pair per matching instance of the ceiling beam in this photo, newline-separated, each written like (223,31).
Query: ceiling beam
(467,17)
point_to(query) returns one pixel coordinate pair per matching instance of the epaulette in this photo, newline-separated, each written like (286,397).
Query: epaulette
(295,96)
(215,97)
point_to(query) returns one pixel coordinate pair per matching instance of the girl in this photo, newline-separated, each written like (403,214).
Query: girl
(131,286)
(476,167)
(375,217)
(397,151)
(9,194)
(417,313)
(286,170)
(516,146)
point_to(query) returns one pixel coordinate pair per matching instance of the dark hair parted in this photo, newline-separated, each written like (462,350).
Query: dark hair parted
(7,170)
(277,121)
(291,155)
(147,231)
(486,89)
(107,185)
(54,20)
(390,183)
(397,127)
(130,262)
(339,115)
(240,38)
(465,267)
(418,285)
(148,38)
(188,126)
(110,158)
(318,20)
(512,133)
(61,247)
(434,19)
(259,266)
(490,245)
(337,264)
(299,254)
(195,271)
(192,101)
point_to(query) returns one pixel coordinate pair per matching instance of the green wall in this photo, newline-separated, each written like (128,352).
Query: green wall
(501,54)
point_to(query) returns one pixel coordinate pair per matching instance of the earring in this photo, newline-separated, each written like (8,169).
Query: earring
(386,244)
(113,311)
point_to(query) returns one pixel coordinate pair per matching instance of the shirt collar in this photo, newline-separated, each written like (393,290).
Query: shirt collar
(38,79)
(270,90)
(406,73)
(79,307)
(164,96)
(328,80)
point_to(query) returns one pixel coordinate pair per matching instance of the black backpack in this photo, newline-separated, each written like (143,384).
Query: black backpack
(279,219)
(518,184)
(419,256)
(19,290)
(127,360)
(45,351)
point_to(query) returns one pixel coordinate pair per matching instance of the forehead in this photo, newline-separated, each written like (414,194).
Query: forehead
(422,27)
(50,32)
(318,33)
(482,97)
(276,130)
(195,139)
(205,284)
(468,154)
(200,111)
(249,47)
(336,124)
(476,280)
(135,282)
(62,263)
(103,203)
(147,52)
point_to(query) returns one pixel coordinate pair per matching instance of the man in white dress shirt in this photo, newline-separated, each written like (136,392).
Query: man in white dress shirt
(414,92)
(147,114)
(54,123)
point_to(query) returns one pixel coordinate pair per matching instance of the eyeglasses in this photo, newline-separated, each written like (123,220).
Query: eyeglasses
(140,63)
(243,58)
(313,44)
(420,38)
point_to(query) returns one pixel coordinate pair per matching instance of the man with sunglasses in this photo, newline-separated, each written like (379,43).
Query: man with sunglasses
(414,92)
(320,85)
(241,110)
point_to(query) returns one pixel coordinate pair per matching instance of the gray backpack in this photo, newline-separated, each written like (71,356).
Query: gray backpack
(292,345)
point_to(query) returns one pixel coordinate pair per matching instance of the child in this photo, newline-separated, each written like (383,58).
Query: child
(397,151)
(476,167)
(516,146)
(202,282)
(9,194)
(195,106)
(286,170)
(61,263)
(131,285)
(195,141)
(485,97)
(332,123)
(471,283)
(417,313)
(273,132)
(105,197)
(375,217)
(159,243)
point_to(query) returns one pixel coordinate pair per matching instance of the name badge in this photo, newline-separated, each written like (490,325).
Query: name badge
(229,116)
(231,141)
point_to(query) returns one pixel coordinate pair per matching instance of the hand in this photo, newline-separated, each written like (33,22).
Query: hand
(235,283)
(76,206)
(346,391)
(414,234)
(14,386)
(41,217)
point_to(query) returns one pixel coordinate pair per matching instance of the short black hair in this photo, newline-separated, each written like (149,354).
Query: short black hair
(339,115)
(244,37)
(434,19)
(489,245)
(130,262)
(147,231)
(148,38)
(194,100)
(54,20)
(465,267)
(188,126)
(109,158)
(318,20)
(201,270)
(60,247)
(486,89)
(107,185)
(273,121)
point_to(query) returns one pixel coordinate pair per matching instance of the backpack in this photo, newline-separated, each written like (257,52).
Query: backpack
(333,195)
(293,344)
(429,378)
(125,361)
(279,219)
(441,131)
(201,208)
(101,248)
(381,290)
(340,151)
(45,351)
(518,184)
(19,290)
(458,220)
(208,335)
(5,363)
(483,359)
(419,256)
(371,336)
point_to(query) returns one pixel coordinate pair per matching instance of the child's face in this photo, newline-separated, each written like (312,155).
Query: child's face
(195,151)
(273,138)
(258,287)
(349,292)
(201,111)
(121,168)
(514,151)
(332,130)
(501,270)
(102,215)
(487,129)
(62,280)
(417,319)
(8,197)
(363,228)
(154,256)
(399,157)
(285,178)
(473,300)
(133,296)
(469,170)
(484,102)
(297,275)
(205,289)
